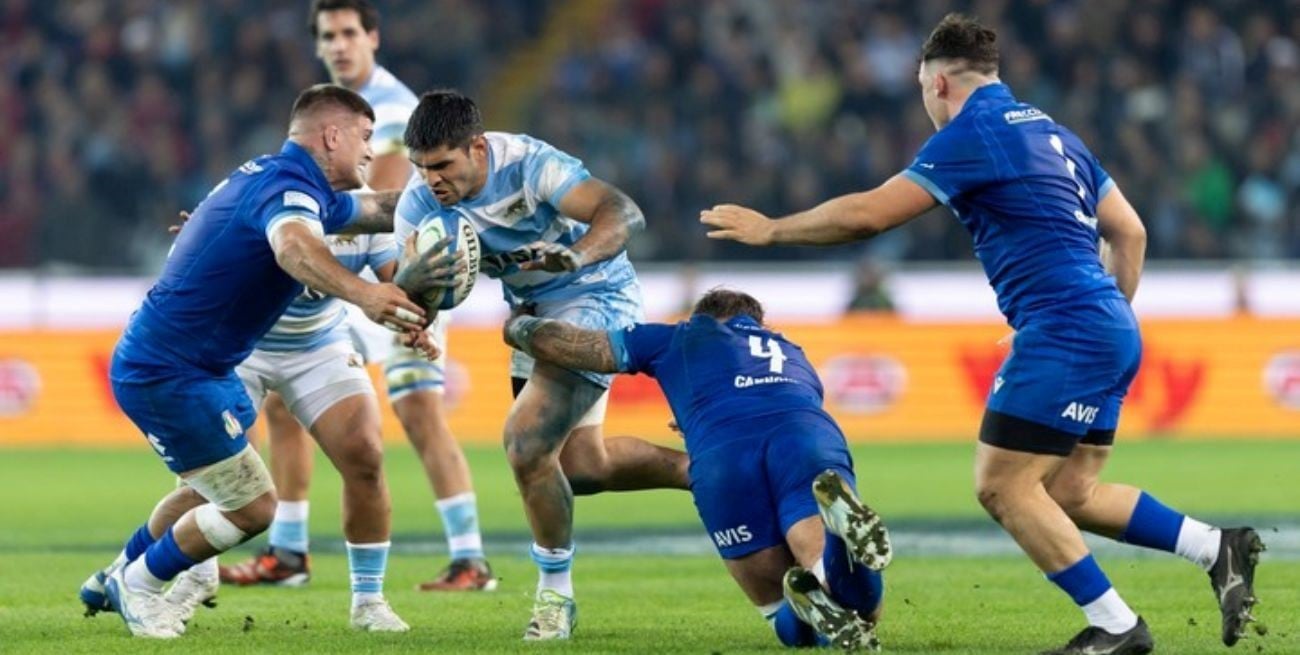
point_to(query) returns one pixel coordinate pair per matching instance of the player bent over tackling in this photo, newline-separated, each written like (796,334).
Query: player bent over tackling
(249,249)
(771,474)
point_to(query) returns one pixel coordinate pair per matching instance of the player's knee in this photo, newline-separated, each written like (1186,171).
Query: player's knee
(364,461)
(992,497)
(1072,494)
(255,517)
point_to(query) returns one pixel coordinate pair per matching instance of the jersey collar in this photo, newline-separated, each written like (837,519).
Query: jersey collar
(994,92)
(300,155)
(743,320)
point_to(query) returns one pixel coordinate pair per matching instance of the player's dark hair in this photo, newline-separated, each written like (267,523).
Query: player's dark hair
(962,37)
(369,15)
(324,95)
(723,304)
(444,117)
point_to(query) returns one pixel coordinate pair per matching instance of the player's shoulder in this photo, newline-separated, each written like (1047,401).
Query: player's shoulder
(384,87)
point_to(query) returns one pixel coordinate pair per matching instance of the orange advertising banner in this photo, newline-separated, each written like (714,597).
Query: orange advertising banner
(885,379)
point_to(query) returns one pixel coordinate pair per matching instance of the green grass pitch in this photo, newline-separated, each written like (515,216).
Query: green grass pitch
(65,513)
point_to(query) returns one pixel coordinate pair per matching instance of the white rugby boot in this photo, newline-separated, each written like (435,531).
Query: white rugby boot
(858,525)
(554,617)
(145,613)
(192,588)
(377,616)
(841,626)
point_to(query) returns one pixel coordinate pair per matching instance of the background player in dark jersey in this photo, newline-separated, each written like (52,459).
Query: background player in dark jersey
(770,471)
(1035,200)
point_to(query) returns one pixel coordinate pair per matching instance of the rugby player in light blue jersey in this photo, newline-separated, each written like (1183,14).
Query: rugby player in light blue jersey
(248,251)
(1036,202)
(346,33)
(770,471)
(555,237)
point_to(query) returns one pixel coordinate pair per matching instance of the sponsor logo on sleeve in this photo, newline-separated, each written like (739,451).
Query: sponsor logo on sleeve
(300,199)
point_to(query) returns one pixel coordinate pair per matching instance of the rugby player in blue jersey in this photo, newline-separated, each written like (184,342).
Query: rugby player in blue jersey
(246,253)
(770,471)
(1036,202)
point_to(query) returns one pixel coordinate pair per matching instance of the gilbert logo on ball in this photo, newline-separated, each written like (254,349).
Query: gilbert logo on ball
(1282,378)
(864,384)
(433,229)
(20,384)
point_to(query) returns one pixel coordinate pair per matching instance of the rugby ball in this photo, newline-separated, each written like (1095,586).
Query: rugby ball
(433,228)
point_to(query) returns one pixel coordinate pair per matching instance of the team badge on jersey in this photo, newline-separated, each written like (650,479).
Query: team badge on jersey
(233,428)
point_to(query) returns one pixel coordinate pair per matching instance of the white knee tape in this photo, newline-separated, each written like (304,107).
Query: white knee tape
(233,482)
(218,530)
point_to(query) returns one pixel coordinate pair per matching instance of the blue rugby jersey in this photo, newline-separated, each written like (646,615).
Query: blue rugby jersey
(221,288)
(719,377)
(1027,190)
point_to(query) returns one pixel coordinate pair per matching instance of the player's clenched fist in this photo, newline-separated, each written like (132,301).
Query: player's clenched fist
(736,223)
(387,305)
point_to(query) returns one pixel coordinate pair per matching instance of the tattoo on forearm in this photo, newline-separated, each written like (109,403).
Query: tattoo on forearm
(376,213)
(573,347)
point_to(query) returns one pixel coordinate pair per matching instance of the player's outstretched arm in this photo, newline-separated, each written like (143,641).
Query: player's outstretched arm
(302,253)
(375,212)
(613,217)
(1119,224)
(562,343)
(851,217)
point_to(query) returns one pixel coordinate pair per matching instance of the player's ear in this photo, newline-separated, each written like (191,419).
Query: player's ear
(333,136)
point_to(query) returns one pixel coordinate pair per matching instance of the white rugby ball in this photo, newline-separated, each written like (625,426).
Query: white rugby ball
(433,229)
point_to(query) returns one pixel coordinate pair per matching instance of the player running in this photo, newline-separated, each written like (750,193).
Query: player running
(346,33)
(249,249)
(770,471)
(1036,200)
(555,237)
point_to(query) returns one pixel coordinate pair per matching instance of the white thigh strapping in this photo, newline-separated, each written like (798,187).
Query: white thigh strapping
(232,483)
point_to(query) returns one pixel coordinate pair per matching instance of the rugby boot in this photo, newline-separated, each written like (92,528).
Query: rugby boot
(191,589)
(377,616)
(463,574)
(554,617)
(858,525)
(843,627)
(1233,580)
(275,566)
(1092,640)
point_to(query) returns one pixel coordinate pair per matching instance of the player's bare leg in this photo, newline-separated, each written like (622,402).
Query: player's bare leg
(547,409)
(423,418)
(594,464)
(1010,485)
(284,562)
(349,433)
(1115,510)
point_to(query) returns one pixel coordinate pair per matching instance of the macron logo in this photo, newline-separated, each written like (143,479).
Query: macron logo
(926,166)
(1080,412)
(1025,115)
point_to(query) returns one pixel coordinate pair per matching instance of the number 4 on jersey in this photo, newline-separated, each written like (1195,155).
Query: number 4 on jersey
(771,352)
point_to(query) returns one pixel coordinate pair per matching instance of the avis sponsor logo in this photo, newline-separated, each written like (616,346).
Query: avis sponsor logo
(732,536)
(864,384)
(1080,412)
(1282,378)
(20,384)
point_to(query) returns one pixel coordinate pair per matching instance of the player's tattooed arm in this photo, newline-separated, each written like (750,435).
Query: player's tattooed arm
(562,343)
(374,212)
(613,217)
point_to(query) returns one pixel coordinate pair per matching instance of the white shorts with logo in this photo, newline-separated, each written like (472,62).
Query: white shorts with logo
(309,381)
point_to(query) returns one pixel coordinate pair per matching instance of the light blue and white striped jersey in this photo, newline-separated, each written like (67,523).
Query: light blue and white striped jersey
(518,205)
(314,319)
(393,103)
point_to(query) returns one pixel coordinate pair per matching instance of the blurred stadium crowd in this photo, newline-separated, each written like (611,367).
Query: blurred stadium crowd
(120,113)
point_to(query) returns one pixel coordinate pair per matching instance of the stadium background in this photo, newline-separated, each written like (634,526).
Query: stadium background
(117,114)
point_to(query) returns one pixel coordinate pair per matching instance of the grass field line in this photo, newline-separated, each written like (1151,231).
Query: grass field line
(929,538)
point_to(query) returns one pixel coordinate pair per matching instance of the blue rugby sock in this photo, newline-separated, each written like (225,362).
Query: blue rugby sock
(138,543)
(161,562)
(1153,525)
(790,630)
(1090,589)
(289,528)
(368,563)
(850,583)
